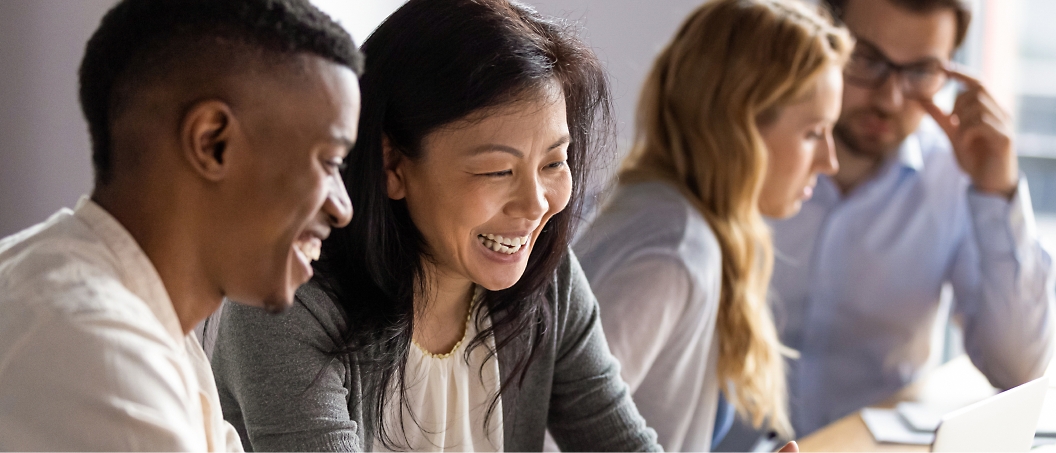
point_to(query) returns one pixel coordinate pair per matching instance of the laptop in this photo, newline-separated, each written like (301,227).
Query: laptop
(1003,422)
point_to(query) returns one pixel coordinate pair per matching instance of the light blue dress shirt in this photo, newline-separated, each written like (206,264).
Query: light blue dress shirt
(857,279)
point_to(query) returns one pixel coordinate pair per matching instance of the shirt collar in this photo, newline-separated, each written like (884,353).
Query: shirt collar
(910,154)
(136,270)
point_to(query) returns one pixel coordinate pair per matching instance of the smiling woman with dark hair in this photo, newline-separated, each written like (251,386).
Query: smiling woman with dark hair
(450,314)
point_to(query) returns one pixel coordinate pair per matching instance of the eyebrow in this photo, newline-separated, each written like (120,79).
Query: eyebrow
(494,147)
(876,49)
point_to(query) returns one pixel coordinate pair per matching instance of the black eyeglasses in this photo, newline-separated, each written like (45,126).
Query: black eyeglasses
(870,68)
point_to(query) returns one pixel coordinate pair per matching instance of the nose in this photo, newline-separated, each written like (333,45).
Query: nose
(825,156)
(529,200)
(889,96)
(338,207)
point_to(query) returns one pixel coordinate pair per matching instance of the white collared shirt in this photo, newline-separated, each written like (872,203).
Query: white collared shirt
(92,355)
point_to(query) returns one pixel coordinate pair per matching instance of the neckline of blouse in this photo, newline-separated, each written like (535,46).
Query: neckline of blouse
(473,301)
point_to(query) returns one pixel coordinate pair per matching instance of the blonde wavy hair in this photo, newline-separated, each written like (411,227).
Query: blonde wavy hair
(730,68)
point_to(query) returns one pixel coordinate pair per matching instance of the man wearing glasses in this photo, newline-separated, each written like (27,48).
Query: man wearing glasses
(917,203)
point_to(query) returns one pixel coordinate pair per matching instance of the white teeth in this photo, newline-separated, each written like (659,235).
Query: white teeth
(510,242)
(501,244)
(310,249)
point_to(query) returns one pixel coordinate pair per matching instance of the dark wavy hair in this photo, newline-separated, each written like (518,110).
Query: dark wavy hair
(430,64)
(145,42)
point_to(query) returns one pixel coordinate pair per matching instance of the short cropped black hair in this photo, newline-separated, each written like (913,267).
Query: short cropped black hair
(141,39)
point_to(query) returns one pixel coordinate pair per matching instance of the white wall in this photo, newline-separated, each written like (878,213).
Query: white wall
(44,149)
(360,18)
(45,158)
(626,35)
(45,154)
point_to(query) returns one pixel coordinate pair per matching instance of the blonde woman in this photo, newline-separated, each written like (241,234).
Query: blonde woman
(734,124)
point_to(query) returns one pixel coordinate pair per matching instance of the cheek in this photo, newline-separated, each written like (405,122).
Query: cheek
(855,99)
(284,200)
(559,192)
(912,115)
(445,212)
(789,166)
(305,193)
(479,202)
(425,203)
(801,169)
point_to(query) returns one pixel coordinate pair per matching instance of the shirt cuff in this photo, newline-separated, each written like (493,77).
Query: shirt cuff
(1003,226)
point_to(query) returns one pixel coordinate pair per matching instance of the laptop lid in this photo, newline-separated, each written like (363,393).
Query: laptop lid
(1003,422)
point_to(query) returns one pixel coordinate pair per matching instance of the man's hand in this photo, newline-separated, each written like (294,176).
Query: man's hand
(981,134)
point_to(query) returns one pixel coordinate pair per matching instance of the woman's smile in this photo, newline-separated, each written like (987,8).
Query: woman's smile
(504,244)
(483,190)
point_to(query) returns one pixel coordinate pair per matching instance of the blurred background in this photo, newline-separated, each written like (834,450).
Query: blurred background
(44,147)
(44,150)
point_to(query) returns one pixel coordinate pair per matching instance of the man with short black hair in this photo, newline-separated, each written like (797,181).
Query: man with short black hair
(218,130)
(916,204)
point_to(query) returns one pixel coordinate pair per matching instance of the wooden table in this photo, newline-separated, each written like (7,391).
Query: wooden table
(956,383)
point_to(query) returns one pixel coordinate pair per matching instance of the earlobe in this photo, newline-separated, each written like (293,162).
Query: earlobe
(205,138)
(394,178)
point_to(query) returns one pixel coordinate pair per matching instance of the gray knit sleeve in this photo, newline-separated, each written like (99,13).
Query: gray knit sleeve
(590,405)
(279,384)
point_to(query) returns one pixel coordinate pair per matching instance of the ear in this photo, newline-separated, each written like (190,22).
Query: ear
(395,162)
(205,136)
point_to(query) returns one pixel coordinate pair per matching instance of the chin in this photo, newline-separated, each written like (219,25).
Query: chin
(277,304)
(791,211)
(498,281)
(274,302)
(783,212)
(773,212)
(497,284)
(876,145)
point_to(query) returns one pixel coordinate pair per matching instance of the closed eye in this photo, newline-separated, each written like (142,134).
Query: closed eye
(336,165)
(496,174)
(558,164)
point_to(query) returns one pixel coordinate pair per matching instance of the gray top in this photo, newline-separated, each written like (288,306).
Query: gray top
(283,391)
(656,269)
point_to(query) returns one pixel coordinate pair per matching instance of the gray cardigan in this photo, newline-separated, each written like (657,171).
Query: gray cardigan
(282,391)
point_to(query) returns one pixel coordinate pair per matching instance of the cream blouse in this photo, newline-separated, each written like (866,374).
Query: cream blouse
(448,397)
